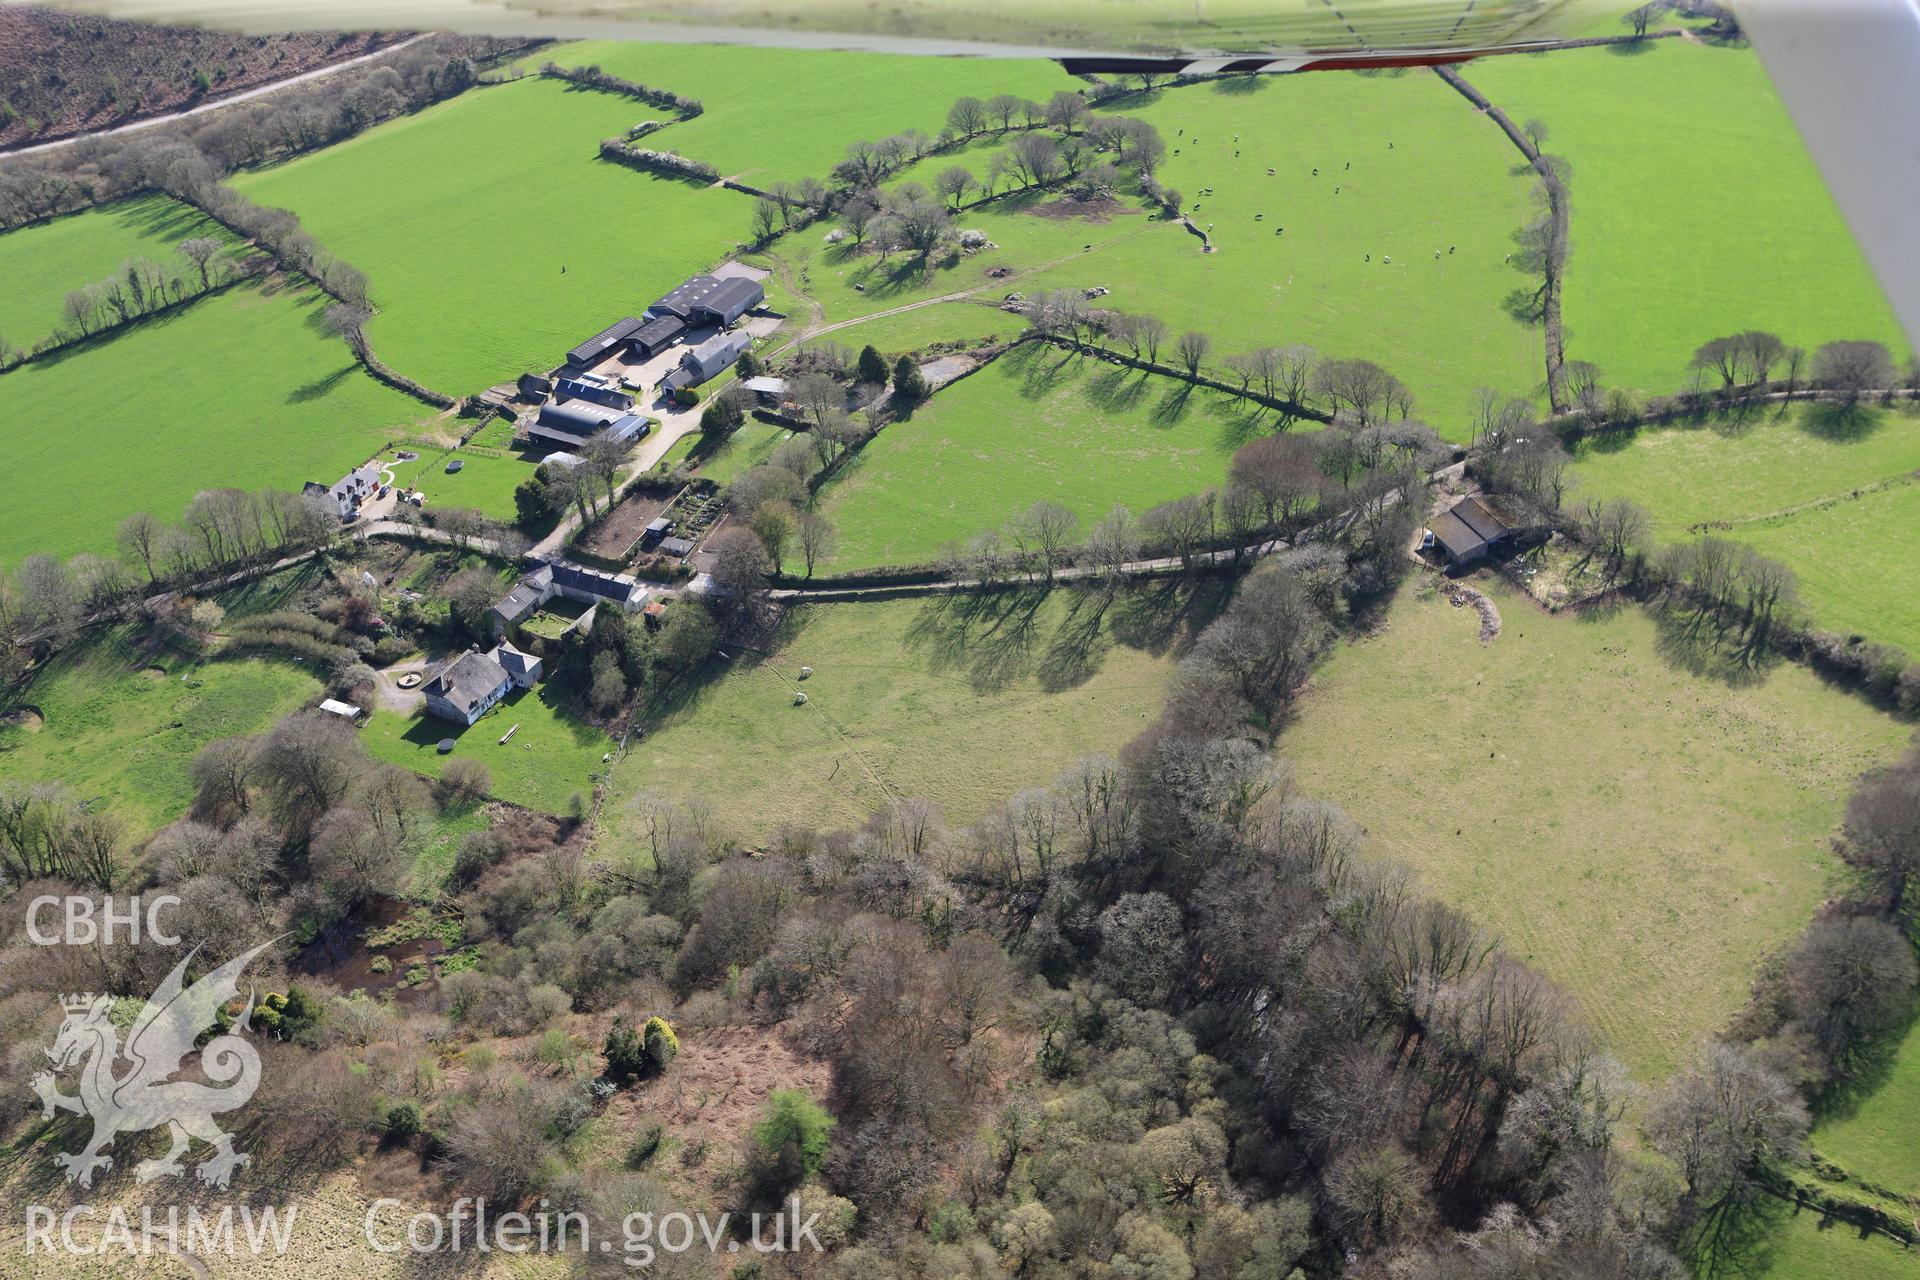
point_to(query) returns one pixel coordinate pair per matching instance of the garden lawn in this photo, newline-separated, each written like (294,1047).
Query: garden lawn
(1839,507)
(750,446)
(964,702)
(484,482)
(41,264)
(499,238)
(1643,836)
(1355,274)
(1036,423)
(121,725)
(553,755)
(784,114)
(241,390)
(1696,209)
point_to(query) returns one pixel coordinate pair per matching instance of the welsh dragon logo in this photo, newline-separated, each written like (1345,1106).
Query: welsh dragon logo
(143,1096)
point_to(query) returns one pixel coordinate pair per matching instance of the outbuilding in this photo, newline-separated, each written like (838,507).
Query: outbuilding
(603,343)
(708,360)
(1469,531)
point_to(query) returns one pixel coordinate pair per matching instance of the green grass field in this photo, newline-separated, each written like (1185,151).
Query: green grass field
(1641,834)
(484,482)
(42,263)
(1696,209)
(483,200)
(120,724)
(964,702)
(750,446)
(552,755)
(1836,506)
(241,390)
(773,114)
(922,327)
(1446,183)
(1036,423)
(1797,1245)
(1873,1139)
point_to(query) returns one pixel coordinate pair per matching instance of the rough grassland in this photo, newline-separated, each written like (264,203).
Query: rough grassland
(41,264)
(774,114)
(465,214)
(1696,209)
(242,390)
(1440,324)
(552,756)
(1838,506)
(964,702)
(1640,834)
(1036,423)
(121,725)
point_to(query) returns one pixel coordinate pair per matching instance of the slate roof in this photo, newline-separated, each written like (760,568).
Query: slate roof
(594,582)
(707,360)
(657,334)
(512,661)
(466,680)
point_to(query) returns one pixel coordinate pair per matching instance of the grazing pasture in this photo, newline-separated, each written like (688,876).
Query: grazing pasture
(242,390)
(553,754)
(1872,1136)
(1697,211)
(1641,834)
(782,114)
(500,238)
(1037,423)
(1355,272)
(919,329)
(42,263)
(963,701)
(1835,503)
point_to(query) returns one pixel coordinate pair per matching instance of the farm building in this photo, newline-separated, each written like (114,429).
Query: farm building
(572,423)
(655,336)
(534,387)
(467,687)
(1469,531)
(678,548)
(731,300)
(707,361)
(768,390)
(683,300)
(346,494)
(569,582)
(345,710)
(656,529)
(524,669)
(594,586)
(597,390)
(603,343)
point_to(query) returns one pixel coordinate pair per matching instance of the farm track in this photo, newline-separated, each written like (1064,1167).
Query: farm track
(259,91)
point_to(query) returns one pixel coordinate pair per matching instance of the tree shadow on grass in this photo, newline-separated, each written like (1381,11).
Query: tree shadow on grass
(1241,86)
(1867,1073)
(1840,422)
(1174,405)
(1042,369)
(1118,388)
(1164,615)
(1738,1242)
(1632,48)
(987,635)
(1079,646)
(1241,421)
(322,387)
(1693,641)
